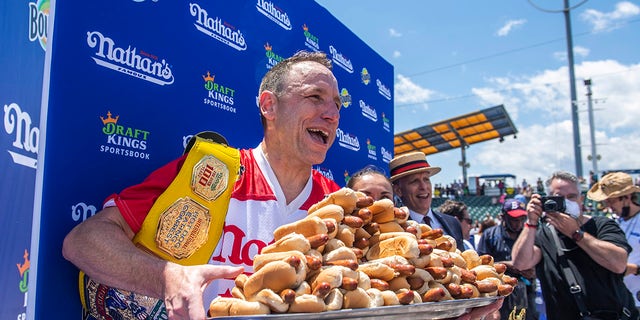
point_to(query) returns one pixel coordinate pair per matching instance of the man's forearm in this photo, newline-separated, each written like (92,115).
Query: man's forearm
(606,254)
(523,253)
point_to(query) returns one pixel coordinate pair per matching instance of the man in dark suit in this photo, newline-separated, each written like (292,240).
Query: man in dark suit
(410,175)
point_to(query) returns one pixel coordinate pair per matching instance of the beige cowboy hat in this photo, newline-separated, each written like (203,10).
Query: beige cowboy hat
(612,185)
(410,163)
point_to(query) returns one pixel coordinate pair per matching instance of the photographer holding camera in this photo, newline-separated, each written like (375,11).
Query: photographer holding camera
(580,260)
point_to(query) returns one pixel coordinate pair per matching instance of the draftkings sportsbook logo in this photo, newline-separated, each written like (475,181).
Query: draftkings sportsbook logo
(123,141)
(141,65)
(218,95)
(272,57)
(222,31)
(38,20)
(385,123)
(310,41)
(23,285)
(371,150)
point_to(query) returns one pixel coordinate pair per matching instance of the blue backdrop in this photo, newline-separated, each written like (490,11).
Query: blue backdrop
(125,85)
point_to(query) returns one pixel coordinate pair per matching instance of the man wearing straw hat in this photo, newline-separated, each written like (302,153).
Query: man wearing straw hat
(618,192)
(410,175)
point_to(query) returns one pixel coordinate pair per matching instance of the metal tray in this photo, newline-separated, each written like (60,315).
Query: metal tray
(427,310)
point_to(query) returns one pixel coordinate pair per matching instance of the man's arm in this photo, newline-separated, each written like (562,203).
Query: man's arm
(101,246)
(524,254)
(605,253)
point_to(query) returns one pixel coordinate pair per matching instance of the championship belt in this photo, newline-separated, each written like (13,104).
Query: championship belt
(183,226)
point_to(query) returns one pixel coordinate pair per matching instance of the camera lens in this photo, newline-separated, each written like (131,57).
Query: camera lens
(550,205)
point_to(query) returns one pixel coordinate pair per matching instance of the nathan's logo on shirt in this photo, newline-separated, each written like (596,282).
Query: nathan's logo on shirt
(347,140)
(345,98)
(385,123)
(340,59)
(129,61)
(272,57)
(365,76)
(38,20)
(368,111)
(325,172)
(123,141)
(274,13)
(217,29)
(25,145)
(310,41)
(383,90)
(218,95)
(387,155)
(371,151)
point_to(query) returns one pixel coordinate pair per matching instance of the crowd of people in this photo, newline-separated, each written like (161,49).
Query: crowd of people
(587,266)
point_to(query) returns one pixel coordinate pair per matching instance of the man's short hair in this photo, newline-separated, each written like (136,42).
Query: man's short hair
(563,175)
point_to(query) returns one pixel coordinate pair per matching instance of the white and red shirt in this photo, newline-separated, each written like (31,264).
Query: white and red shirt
(257,207)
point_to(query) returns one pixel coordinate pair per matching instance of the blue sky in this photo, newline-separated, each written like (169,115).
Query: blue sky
(455,57)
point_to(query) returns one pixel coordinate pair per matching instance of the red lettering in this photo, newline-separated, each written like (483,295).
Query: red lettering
(206,174)
(247,255)
(241,253)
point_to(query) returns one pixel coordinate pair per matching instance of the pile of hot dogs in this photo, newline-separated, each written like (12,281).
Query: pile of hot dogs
(351,252)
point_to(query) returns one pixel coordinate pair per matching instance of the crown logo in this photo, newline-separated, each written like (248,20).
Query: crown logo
(208,77)
(23,267)
(109,119)
(267,47)
(304,27)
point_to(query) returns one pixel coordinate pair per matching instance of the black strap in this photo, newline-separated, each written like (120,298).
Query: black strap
(574,287)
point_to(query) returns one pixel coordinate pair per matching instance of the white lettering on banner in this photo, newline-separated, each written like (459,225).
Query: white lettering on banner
(38,21)
(347,140)
(274,13)
(371,151)
(124,152)
(19,123)
(368,112)
(325,172)
(383,90)
(216,29)
(310,41)
(82,210)
(340,60)
(128,61)
(386,155)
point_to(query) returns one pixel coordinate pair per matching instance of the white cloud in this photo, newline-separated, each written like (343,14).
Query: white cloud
(578,51)
(395,34)
(396,54)
(603,21)
(406,91)
(540,109)
(508,26)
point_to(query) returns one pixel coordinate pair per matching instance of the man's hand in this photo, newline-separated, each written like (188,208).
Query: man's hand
(564,223)
(184,285)
(481,312)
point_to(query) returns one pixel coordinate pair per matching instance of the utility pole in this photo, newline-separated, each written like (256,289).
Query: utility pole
(572,86)
(594,157)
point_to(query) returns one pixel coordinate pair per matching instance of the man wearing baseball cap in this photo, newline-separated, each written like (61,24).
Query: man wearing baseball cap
(411,178)
(617,191)
(498,241)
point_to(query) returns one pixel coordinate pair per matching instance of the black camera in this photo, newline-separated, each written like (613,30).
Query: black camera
(554,203)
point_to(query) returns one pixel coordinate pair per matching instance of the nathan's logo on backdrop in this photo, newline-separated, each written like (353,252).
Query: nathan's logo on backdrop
(123,141)
(81,211)
(272,57)
(345,98)
(368,111)
(218,95)
(25,145)
(347,140)
(310,41)
(217,29)
(274,13)
(23,269)
(325,172)
(385,123)
(340,59)
(141,65)
(38,20)
(386,154)
(371,151)
(383,90)
(365,76)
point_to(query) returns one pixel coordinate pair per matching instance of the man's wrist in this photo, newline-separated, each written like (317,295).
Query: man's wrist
(637,270)
(577,235)
(530,225)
